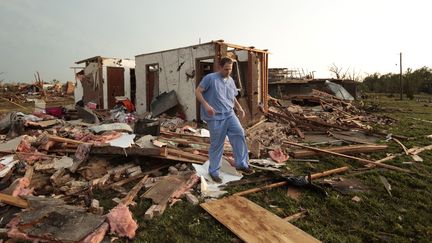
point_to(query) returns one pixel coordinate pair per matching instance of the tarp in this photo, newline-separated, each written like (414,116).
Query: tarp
(338,91)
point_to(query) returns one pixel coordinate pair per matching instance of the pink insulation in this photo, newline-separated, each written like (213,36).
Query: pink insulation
(121,221)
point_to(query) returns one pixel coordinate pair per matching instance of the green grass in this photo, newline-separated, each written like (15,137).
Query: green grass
(404,217)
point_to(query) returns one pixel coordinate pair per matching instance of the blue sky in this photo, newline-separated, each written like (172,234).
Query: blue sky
(50,35)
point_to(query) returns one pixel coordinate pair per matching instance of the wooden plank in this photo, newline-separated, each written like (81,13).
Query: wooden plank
(14,201)
(192,138)
(64,140)
(132,178)
(350,157)
(183,141)
(252,223)
(255,125)
(134,191)
(187,155)
(175,158)
(296,216)
(81,155)
(352,149)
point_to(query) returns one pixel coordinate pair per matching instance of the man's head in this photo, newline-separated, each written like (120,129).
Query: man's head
(225,64)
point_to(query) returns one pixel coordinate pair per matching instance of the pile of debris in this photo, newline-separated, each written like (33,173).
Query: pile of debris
(52,167)
(324,114)
(46,97)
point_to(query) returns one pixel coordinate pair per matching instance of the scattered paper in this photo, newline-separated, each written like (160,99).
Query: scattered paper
(204,133)
(227,173)
(8,162)
(417,158)
(145,141)
(124,141)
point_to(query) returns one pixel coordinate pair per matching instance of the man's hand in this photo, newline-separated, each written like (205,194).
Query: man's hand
(240,110)
(198,92)
(210,110)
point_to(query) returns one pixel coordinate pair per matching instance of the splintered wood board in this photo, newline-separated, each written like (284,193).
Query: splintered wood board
(252,223)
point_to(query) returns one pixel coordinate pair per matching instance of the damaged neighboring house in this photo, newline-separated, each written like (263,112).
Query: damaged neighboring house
(177,73)
(285,83)
(102,79)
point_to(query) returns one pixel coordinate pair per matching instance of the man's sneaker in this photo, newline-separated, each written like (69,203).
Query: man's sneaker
(216,178)
(246,171)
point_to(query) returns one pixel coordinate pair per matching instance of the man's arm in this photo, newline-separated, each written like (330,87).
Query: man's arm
(200,98)
(239,108)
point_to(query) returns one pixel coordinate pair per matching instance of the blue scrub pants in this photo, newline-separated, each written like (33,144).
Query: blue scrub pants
(232,128)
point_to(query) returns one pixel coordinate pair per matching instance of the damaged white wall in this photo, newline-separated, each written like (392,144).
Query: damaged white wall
(92,69)
(173,65)
(78,91)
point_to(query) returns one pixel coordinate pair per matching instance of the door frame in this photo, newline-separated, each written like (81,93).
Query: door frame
(110,87)
(150,86)
(198,78)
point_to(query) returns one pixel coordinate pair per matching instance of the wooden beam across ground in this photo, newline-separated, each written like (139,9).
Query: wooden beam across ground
(366,161)
(14,201)
(252,223)
(187,155)
(351,149)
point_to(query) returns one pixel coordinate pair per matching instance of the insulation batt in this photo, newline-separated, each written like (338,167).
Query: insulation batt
(121,221)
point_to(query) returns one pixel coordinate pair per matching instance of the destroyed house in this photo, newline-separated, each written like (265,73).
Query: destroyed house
(102,79)
(286,83)
(176,73)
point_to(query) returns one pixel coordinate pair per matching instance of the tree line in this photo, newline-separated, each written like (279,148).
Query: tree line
(414,82)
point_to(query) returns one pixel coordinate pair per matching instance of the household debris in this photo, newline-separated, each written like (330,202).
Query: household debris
(209,188)
(72,160)
(52,220)
(345,185)
(297,181)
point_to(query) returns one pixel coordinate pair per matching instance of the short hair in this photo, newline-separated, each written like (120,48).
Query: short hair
(225,60)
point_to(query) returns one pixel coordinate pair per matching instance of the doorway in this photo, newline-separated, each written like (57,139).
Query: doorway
(115,82)
(204,66)
(152,85)
(132,85)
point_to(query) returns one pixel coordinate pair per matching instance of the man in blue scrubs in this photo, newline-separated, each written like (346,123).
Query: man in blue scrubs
(217,94)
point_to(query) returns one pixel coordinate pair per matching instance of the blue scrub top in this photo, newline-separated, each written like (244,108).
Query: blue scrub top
(220,94)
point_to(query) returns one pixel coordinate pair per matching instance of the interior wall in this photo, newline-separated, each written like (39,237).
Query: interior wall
(127,64)
(173,66)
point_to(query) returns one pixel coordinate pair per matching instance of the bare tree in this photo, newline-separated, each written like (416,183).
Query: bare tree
(341,73)
(336,71)
(355,76)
